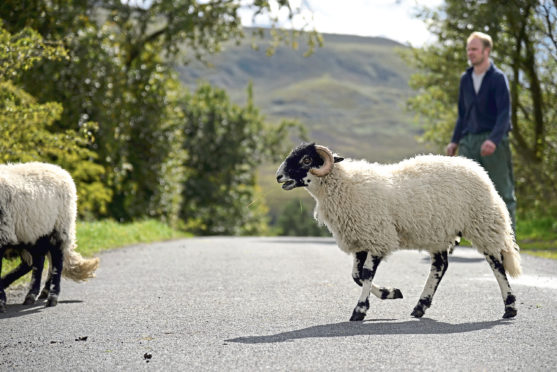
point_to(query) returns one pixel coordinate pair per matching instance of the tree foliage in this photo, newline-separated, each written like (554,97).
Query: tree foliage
(24,123)
(525,47)
(296,219)
(121,121)
(225,144)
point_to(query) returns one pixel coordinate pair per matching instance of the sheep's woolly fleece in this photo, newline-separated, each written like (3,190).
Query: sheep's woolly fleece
(37,199)
(419,203)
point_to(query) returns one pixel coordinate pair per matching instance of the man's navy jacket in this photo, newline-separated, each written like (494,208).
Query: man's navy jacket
(487,111)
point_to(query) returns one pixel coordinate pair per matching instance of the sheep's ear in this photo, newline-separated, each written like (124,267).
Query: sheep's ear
(338,159)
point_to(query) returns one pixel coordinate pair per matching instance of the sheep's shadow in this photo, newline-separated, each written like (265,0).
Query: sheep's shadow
(371,328)
(458,259)
(17,310)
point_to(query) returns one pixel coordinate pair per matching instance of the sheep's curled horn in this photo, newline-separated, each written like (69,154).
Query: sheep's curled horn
(328,159)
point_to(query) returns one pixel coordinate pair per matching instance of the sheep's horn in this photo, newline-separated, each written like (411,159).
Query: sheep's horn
(328,159)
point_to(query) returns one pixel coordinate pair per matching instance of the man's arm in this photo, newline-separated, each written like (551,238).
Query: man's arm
(503,104)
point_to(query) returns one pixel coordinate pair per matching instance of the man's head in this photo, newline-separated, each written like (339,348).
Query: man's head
(478,47)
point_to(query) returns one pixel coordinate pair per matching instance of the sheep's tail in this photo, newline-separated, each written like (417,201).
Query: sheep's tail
(78,268)
(511,261)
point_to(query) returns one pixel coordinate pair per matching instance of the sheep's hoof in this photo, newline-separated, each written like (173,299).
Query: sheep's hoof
(357,317)
(52,301)
(29,299)
(510,313)
(418,312)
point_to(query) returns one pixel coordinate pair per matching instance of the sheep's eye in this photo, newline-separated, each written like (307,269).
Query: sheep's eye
(306,161)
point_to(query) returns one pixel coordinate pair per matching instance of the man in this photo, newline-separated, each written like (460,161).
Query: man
(483,124)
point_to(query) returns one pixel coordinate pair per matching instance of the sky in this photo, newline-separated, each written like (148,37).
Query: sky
(392,19)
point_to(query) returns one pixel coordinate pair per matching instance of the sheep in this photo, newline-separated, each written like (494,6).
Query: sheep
(38,208)
(427,203)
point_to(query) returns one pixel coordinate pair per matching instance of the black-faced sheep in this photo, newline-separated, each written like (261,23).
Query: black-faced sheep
(425,203)
(38,208)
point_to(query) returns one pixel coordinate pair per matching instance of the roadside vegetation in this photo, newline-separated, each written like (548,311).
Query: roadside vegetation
(98,236)
(538,236)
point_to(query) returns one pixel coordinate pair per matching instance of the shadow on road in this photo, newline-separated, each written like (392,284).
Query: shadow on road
(16,310)
(453,259)
(370,328)
(300,240)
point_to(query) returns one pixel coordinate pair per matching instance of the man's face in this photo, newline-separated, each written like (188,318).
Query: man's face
(476,52)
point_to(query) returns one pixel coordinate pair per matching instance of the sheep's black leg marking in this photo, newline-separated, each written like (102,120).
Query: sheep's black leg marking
(508,298)
(366,276)
(35,286)
(359,260)
(386,293)
(383,293)
(56,261)
(2,293)
(439,264)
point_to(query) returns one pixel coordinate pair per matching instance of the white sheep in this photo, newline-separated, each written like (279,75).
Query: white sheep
(38,208)
(425,203)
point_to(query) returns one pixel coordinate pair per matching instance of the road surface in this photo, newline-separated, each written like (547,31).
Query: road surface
(251,304)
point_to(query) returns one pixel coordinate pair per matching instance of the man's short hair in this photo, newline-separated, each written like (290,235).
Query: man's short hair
(484,38)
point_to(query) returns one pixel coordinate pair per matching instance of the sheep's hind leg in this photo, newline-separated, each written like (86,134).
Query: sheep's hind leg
(35,286)
(439,264)
(508,298)
(384,293)
(55,275)
(46,289)
(368,272)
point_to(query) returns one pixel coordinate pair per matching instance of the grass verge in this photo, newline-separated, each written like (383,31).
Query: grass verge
(538,236)
(98,236)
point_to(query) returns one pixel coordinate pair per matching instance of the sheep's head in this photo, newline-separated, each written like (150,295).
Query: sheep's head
(305,161)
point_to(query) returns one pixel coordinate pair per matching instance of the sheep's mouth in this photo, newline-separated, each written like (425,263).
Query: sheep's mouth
(289,185)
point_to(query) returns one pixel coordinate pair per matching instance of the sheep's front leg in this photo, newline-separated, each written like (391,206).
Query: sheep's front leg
(439,264)
(384,293)
(369,268)
(508,298)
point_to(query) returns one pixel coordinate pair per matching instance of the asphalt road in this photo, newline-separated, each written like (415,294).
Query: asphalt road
(250,304)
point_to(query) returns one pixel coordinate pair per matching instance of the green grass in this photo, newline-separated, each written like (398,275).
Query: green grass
(95,237)
(98,236)
(538,236)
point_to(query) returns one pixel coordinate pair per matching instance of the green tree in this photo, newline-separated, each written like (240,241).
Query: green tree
(296,219)
(525,48)
(225,143)
(24,123)
(119,75)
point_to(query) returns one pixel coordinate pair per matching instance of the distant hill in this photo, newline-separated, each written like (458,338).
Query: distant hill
(350,94)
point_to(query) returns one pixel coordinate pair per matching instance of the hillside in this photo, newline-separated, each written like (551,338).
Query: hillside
(350,94)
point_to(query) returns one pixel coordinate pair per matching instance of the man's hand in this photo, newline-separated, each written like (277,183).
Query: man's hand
(451,149)
(488,148)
